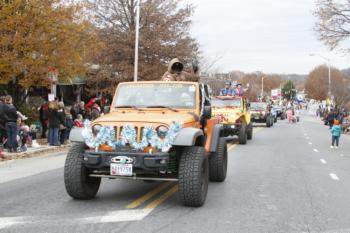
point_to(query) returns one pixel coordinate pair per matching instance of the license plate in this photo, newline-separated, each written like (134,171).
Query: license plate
(121,169)
(257,118)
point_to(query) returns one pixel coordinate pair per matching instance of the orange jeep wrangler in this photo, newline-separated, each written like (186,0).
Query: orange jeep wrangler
(155,131)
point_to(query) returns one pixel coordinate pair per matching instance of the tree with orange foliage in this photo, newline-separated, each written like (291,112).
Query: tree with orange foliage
(316,84)
(36,35)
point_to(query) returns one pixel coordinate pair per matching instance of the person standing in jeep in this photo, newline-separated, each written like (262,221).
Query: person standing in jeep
(227,90)
(175,72)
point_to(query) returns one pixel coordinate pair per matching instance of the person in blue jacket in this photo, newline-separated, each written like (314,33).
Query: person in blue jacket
(336,132)
(227,91)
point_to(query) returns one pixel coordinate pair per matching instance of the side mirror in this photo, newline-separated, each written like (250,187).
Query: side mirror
(207,112)
(248,105)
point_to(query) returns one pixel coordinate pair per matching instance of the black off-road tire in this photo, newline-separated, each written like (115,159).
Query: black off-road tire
(76,176)
(250,132)
(218,162)
(193,176)
(242,135)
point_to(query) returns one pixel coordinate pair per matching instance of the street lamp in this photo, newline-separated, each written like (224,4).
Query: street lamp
(137,31)
(329,71)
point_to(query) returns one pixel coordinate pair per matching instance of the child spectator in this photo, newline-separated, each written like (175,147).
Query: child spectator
(68,122)
(336,132)
(32,134)
(79,121)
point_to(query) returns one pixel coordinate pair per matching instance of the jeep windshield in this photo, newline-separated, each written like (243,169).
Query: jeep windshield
(223,103)
(153,95)
(258,106)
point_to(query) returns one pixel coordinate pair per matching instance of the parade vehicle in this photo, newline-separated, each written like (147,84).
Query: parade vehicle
(261,113)
(233,113)
(281,111)
(155,131)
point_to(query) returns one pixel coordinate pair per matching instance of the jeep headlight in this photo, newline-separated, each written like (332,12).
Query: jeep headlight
(162,131)
(96,129)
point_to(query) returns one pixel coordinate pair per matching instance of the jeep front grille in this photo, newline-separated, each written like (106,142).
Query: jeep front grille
(118,130)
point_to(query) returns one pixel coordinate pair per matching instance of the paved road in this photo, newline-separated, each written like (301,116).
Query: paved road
(286,180)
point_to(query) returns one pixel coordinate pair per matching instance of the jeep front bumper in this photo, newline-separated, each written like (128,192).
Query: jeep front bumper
(140,160)
(231,129)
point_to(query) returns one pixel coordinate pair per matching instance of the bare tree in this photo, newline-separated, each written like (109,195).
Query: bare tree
(333,26)
(164,34)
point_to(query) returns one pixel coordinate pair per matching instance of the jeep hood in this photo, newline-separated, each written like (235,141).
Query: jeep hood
(230,114)
(116,118)
(227,111)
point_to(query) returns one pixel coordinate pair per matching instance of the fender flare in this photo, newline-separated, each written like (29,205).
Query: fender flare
(188,137)
(76,135)
(217,133)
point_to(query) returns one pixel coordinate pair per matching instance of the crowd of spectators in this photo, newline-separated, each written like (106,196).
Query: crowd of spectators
(54,124)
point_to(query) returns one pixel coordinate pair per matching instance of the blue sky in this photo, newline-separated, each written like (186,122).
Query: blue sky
(273,36)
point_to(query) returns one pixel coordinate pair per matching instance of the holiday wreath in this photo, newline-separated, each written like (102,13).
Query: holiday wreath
(128,136)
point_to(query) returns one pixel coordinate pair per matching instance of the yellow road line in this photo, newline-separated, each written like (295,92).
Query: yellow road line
(148,196)
(160,188)
(162,198)
(231,146)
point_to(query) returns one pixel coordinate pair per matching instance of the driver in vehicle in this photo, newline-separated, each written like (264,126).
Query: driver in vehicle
(175,72)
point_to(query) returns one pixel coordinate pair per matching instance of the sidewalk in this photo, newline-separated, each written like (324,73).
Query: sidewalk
(33,152)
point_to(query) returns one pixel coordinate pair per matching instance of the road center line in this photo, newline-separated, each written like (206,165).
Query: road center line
(162,198)
(231,147)
(315,150)
(148,196)
(310,143)
(323,161)
(334,176)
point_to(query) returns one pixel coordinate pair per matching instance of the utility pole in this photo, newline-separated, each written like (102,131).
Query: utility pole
(262,86)
(137,35)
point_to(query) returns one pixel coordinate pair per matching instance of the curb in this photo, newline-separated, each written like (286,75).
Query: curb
(36,153)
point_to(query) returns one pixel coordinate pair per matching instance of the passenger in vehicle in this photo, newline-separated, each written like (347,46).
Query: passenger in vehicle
(176,72)
(227,91)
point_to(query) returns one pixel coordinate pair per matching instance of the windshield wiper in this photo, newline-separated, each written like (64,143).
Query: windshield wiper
(161,106)
(129,106)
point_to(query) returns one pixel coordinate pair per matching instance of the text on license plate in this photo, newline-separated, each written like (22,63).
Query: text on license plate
(121,169)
